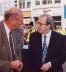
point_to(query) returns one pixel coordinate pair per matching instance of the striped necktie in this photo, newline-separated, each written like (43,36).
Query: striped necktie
(44,49)
(11,46)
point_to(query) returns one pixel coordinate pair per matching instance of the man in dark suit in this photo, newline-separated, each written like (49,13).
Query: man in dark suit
(42,59)
(10,52)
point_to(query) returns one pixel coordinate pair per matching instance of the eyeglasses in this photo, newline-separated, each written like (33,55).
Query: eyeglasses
(39,23)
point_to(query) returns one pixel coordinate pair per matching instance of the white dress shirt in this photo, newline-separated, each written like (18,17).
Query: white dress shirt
(47,38)
(7,33)
(7,30)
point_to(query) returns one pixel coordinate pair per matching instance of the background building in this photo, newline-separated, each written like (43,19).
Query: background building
(32,9)
(36,8)
(6,4)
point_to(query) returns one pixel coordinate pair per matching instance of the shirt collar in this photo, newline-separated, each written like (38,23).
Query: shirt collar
(48,34)
(6,28)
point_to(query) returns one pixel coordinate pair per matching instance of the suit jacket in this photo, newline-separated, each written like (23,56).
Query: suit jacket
(5,52)
(55,54)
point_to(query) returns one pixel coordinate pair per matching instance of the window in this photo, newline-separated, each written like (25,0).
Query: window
(28,4)
(23,5)
(57,1)
(20,5)
(44,1)
(49,1)
(57,21)
(15,1)
(16,5)
(37,2)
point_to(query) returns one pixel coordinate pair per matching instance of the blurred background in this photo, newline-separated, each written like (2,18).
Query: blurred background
(32,9)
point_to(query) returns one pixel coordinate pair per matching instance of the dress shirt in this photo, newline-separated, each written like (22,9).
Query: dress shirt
(48,35)
(7,33)
(7,30)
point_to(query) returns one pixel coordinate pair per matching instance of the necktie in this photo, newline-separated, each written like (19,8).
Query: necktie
(44,50)
(12,46)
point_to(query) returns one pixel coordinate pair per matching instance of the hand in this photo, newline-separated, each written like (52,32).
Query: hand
(45,67)
(17,64)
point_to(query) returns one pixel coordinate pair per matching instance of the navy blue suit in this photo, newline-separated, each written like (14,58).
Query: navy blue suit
(55,54)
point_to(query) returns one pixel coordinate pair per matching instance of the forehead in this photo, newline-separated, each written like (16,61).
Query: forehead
(15,11)
(42,19)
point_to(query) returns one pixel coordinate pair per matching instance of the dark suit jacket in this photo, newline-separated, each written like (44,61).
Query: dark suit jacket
(5,52)
(55,54)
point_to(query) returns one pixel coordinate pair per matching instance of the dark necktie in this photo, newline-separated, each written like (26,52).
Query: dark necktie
(44,50)
(12,46)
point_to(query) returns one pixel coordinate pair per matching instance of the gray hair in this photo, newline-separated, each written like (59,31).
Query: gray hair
(49,20)
(12,12)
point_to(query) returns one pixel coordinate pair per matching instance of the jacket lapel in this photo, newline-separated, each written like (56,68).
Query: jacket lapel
(51,43)
(5,43)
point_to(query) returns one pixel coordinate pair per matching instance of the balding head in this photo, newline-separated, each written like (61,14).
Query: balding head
(13,17)
(49,19)
(12,11)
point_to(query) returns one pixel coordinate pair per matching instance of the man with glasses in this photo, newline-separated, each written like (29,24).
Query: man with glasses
(11,41)
(46,47)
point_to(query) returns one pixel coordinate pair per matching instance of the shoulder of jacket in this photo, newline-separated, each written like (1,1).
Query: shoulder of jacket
(58,34)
